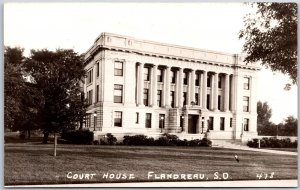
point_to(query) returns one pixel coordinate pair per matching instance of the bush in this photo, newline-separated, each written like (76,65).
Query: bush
(205,142)
(272,143)
(78,136)
(137,140)
(111,140)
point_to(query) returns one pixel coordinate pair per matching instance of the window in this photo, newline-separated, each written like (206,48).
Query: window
(219,102)
(90,97)
(208,80)
(146,94)
(246,83)
(211,123)
(197,81)
(97,93)
(181,121)
(97,69)
(118,119)
(159,75)
(118,93)
(161,121)
(219,81)
(230,124)
(185,78)
(88,121)
(222,123)
(208,101)
(90,76)
(146,74)
(148,120)
(172,99)
(184,98)
(137,117)
(173,77)
(246,103)
(118,68)
(159,98)
(196,98)
(246,124)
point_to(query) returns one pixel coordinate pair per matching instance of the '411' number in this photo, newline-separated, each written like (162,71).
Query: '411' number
(265,175)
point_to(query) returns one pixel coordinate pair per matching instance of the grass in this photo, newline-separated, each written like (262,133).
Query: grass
(284,149)
(34,163)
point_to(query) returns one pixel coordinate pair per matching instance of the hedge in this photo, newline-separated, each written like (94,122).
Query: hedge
(272,143)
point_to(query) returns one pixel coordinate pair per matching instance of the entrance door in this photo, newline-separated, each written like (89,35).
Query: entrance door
(192,125)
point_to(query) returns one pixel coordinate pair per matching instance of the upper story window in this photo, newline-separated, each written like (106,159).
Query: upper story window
(146,74)
(246,103)
(219,81)
(173,76)
(159,75)
(159,93)
(90,76)
(97,69)
(118,93)
(90,97)
(146,96)
(246,83)
(197,81)
(118,68)
(185,78)
(208,81)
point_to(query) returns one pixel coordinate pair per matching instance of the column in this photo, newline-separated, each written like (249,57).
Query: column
(212,85)
(204,89)
(226,95)
(154,86)
(215,92)
(167,88)
(141,84)
(192,86)
(188,93)
(176,89)
(180,87)
(232,93)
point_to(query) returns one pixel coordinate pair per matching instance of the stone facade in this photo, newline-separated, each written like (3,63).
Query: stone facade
(142,87)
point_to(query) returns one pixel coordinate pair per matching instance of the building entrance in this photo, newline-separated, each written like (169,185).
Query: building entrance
(192,124)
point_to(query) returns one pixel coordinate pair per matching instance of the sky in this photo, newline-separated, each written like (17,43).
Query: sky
(211,26)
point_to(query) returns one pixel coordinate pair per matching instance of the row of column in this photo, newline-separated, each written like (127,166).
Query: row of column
(179,88)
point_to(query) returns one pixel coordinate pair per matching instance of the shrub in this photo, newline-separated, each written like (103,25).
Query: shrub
(205,142)
(167,140)
(137,140)
(194,142)
(78,136)
(111,139)
(183,142)
(272,143)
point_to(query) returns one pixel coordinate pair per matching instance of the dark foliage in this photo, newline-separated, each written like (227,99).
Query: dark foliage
(271,37)
(78,136)
(272,143)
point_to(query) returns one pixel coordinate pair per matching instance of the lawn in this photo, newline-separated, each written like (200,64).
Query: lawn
(34,164)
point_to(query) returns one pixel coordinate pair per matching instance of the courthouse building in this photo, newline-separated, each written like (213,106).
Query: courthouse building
(136,86)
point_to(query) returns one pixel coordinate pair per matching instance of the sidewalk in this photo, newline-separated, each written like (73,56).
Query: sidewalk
(253,183)
(244,147)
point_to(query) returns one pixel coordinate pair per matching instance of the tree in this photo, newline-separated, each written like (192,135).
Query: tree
(264,113)
(57,75)
(271,37)
(22,98)
(289,127)
(13,85)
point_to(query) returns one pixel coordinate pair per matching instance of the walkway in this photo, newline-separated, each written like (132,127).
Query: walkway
(232,145)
